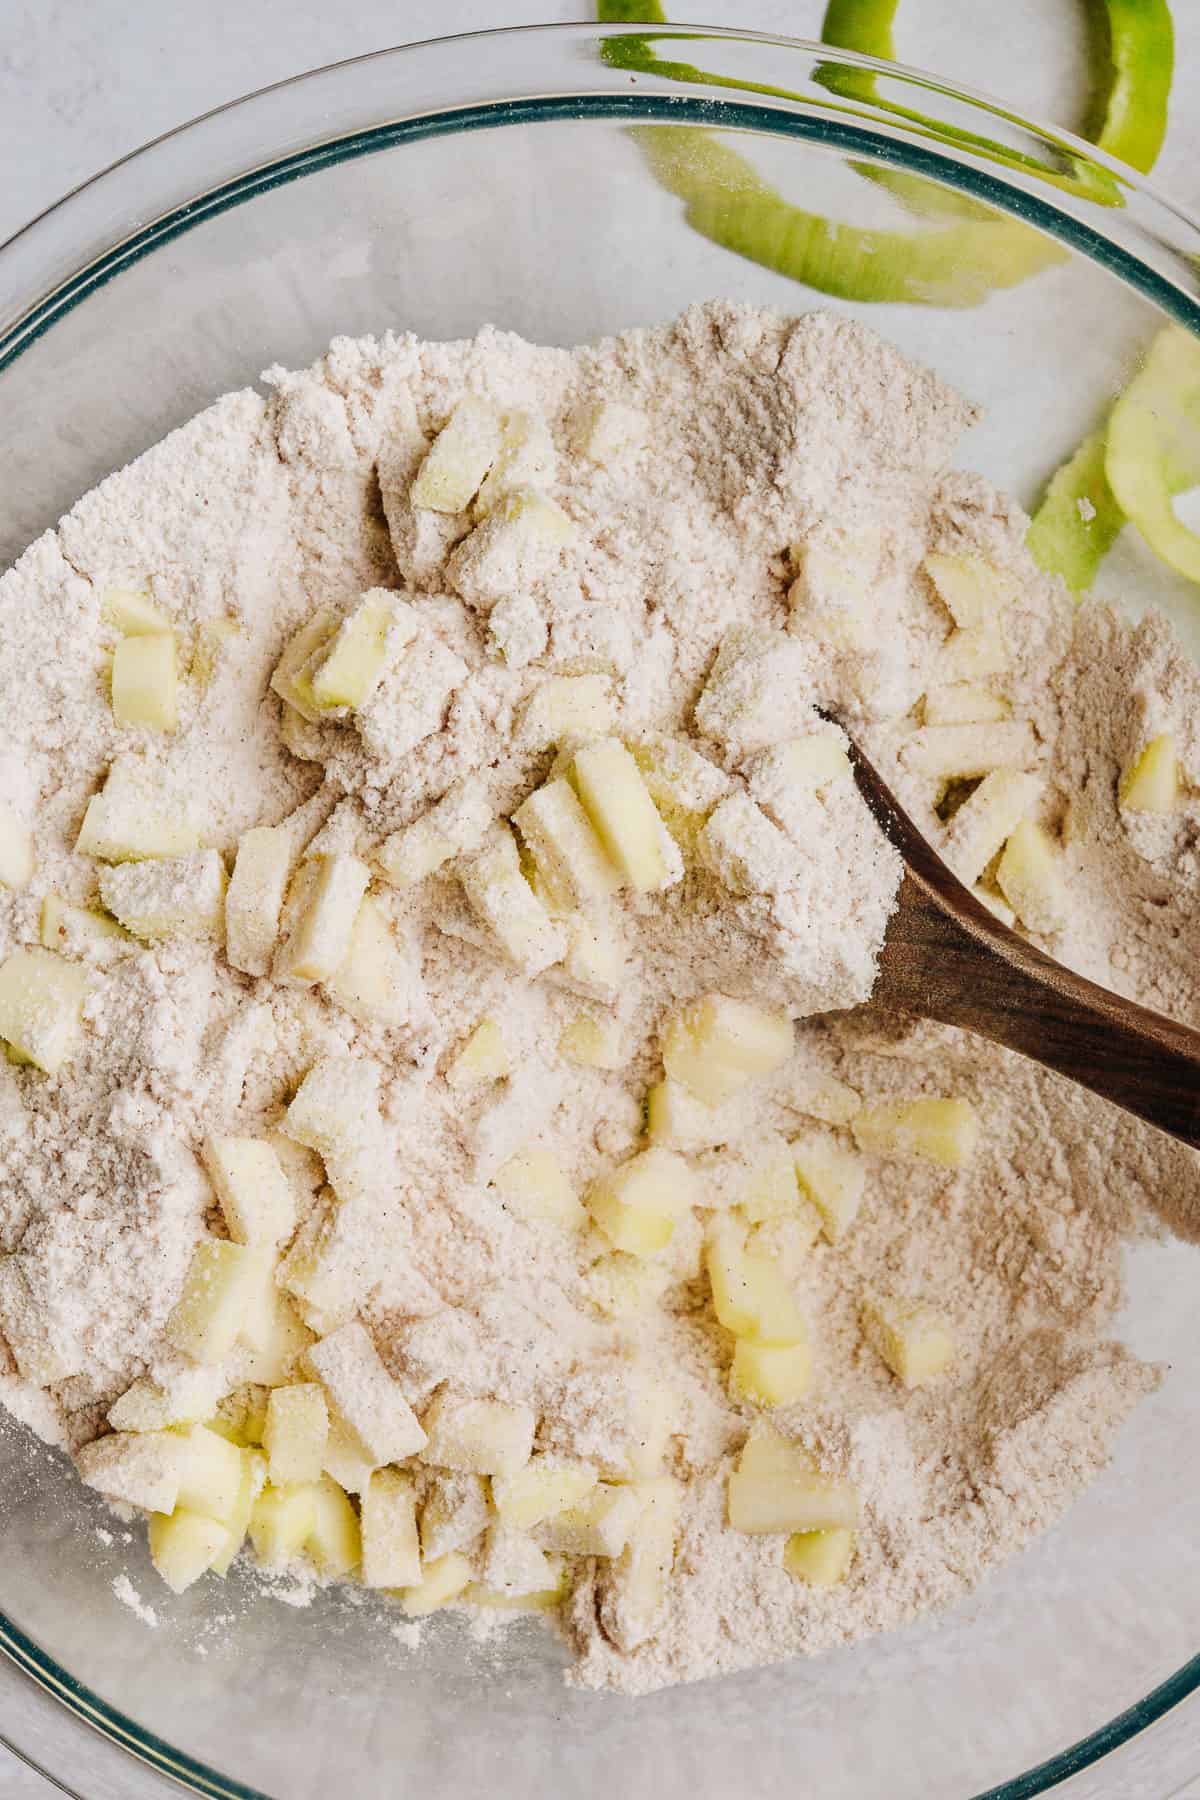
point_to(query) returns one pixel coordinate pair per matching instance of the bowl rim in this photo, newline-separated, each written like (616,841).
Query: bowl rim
(873,138)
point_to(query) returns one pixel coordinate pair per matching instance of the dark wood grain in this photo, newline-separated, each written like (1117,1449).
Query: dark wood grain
(947,957)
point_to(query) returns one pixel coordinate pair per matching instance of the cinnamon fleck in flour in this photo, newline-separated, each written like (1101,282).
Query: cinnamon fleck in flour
(724,525)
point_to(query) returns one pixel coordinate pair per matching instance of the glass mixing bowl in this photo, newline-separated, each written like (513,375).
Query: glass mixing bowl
(512,177)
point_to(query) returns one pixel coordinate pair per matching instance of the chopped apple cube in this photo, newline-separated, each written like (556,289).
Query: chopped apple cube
(255,1195)
(618,803)
(184,1545)
(637,1205)
(503,900)
(571,860)
(676,1118)
(145,682)
(453,827)
(41,1001)
(210,1477)
(292,679)
(132,819)
(833,1178)
(771,1374)
(335,1104)
(212,1309)
(320,940)
(281,1524)
(758,692)
(635,1586)
(145,1406)
(139,1468)
(611,431)
(683,785)
(514,1566)
(346,1458)
(772,1191)
(455,1514)
(172,897)
(375,981)
(254,1475)
(986,819)
(533,1186)
(751,1296)
(132,612)
(821,1558)
(717,1045)
(745,850)
(482,1058)
(965,751)
(1030,878)
(964,703)
(283,1338)
(16,850)
(254,898)
(970,653)
(595,955)
(1151,781)
(478,1437)
(391,1553)
(526,458)
(545,1487)
(970,588)
(458,459)
(335,1541)
(346,671)
(775,1490)
(568,706)
(805,762)
(64,927)
(600,1524)
(296,1432)
(314,1272)
(594,1043)
(363,1393)
(995,903)
(944,1131)
(911,1338)
(442,1581)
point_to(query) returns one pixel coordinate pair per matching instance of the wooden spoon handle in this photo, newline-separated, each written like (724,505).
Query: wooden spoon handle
(965,968)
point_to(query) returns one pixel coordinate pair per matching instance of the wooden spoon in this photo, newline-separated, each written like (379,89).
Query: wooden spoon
(947,957)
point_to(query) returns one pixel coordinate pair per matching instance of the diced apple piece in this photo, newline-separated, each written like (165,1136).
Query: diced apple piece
(1029,877)
(595,955)
(514,1565)
(611,431)
(16,850)
(911,1337)
(347,670)
(296,1432)
(281,1524)
(335,1104)
(944,1131)
(545,1487)
(526,515)
(717,1045)
(637,1205)
(210,1477)
(503,900)
(600,1524)
(758,692)
(635,1586)
(64,927)
(346,1458)
(986,818)
(526,458)
(821,1558)
(533,1186)
(41,1358)
(139,1468)
(455,1514)
(833,1178)
(335,1541)
(683,785)
(255,1195)
(805,762)
(964,703)
(254,1475)
(292,679)
(184,1545)
(132,819)
(41,1000)
(212,1308)
(972,590)
(478,1437)
(375,979)
(789,1497)
(391,1553)
(453,827)
(966,751)
(254,898)
(364,1394)
(1151,781)
(767,1452)
(458,459)
(132,612)
(995,903)
(618,803)
(145,682)
(442,1581)
(283,1339)
(172,897)
(676,1118)
(771,1374)
(570,857)
(320,939)
(482,1058)
(145,1406)
(314,1271)
(751,1296)
(568,706)
(772,1191)
(594,1043)
(970,654)
(745,850)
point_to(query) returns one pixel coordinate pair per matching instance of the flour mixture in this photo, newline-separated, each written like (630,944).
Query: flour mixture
(443,1141)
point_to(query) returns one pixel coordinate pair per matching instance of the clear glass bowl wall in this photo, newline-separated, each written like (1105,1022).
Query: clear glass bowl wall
(496,178)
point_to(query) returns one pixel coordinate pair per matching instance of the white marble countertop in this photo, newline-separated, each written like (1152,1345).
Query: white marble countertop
(84,81)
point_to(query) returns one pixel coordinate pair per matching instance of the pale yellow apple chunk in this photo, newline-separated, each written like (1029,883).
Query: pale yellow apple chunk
(973,590)
(211,1476)
(145,682)
(503,900)
(442,1582)
(41,1003)
(718,1045)
(949,752)
(593,1043)
(964,703)
(677,1119)
(320,939)
(346,1458)
(281,1523)
(617,801)
(391,1551)
(526,458)
(600,1524)
(292,679)
(771,1374)
(634,1587)
(637,1205)
(751,1296)
(458,459)
(64,927)
(477,1437)
(571,707)
(132,612)
(806,762)
(334,1105)
(1151,781)
(820,1558)
(171,897)
(834,1179)
(139,1468)
(784,1501)
(16,850)
(546,1486)
(911,1337)
(296,1432)
(943,1131)
(534,1186)
(346,671)
(184,1546)
(254,1475)
(254,898)
(217,1291)
(1029,875)
(335,1541)
(971,653)
(571,859)
(374,980)
(986,819)
(132,818)
(256,1197)
(363,1393)
(482,1058)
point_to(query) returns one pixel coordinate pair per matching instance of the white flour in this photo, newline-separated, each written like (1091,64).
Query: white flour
(747,434)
